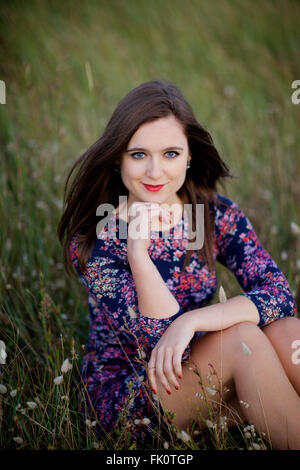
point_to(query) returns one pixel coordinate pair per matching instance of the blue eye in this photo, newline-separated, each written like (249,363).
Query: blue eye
(137,153)
(176,153)
(141,153)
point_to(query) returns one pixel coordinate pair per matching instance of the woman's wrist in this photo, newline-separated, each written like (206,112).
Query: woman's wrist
(201,319)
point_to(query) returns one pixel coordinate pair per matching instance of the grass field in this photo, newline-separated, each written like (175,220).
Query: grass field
(66,65)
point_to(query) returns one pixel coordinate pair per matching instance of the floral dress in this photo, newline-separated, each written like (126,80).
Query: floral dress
(113,387)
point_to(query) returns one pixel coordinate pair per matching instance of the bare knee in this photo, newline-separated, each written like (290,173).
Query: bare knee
(245,327)
(282,328)
(223,348)
(245,336)
(232,339)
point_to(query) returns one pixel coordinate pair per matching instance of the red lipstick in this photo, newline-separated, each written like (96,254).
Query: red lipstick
(152,187)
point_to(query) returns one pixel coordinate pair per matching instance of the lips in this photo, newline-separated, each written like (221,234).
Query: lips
(152,187)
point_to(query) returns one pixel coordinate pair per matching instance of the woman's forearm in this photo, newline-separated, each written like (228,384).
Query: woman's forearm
(156,301)
(223,315)
(154,298)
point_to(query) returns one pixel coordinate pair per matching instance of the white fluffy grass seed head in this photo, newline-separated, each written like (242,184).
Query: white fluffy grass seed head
(66,366)
(18,439)
(132,313)
(31,404)
(3,389)
(183,436)
(58,380)
(222,295)
(246,349)
(295,228)
(3,354)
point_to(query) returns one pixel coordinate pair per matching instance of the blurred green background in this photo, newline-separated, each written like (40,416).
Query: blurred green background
(66,65)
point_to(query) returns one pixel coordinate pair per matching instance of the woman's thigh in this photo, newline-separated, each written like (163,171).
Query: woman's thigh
(207,377)
(284,334)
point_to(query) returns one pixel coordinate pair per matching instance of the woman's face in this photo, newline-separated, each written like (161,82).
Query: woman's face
(157,154)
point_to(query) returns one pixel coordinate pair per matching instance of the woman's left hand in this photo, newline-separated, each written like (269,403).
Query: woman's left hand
(165,360)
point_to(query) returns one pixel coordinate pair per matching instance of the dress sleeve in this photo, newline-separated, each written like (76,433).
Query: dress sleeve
(257,273)
(110,284)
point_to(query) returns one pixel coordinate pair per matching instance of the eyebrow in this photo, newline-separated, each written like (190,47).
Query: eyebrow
(145,150)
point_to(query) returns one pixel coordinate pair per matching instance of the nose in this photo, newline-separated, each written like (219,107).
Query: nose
(154,169)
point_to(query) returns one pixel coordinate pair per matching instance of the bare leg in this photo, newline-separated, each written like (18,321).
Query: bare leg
(283,333)
(259,379)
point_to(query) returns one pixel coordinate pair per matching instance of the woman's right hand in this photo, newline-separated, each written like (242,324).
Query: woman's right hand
(140,216)
(166,357)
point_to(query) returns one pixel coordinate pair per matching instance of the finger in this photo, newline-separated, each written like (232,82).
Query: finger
(166,214)
(145,214)
(139,203)
(160,371)
(141,207)
(177,365)
(149,206)
(161,213)
(169,369)
(151,372)
(156,208)
(154,212)
(152,379)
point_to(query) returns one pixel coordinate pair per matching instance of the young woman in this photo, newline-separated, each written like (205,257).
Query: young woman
(150,294)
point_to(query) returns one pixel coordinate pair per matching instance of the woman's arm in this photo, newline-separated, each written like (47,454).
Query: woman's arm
(240,250)
(154,298)
(150,286)
(223,315)
(156,301)
(111,285)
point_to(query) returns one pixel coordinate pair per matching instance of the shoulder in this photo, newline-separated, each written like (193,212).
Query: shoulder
(229,217)
(223,203)
(224,211)
(225,207)
(73,250)
(220,203)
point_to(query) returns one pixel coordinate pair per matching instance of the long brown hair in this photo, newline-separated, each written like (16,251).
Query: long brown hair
(96,182)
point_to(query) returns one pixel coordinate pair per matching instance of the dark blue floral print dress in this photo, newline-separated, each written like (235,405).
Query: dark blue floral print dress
(113,389)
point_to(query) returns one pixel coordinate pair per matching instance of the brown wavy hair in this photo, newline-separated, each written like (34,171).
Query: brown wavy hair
(95,181)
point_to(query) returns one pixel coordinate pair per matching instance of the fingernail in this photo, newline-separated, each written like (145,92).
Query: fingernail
(177,388)
(179,376)
(154,391)
(169,392)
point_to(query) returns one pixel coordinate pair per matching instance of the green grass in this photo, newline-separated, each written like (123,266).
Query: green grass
(66,65)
